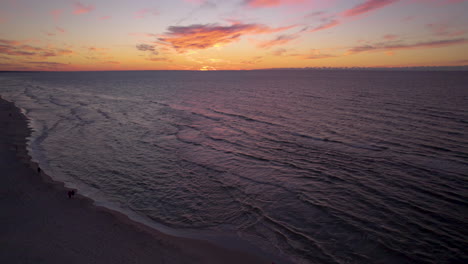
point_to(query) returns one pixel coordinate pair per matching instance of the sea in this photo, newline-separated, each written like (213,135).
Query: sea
(301,166)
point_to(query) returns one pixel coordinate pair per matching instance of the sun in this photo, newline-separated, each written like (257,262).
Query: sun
(207,68)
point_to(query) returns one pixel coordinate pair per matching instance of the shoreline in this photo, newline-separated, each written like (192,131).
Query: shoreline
(41,225)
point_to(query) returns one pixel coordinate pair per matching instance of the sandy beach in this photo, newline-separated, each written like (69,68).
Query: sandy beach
(39,224)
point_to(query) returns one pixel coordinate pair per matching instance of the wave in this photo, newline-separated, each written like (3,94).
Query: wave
(323,172)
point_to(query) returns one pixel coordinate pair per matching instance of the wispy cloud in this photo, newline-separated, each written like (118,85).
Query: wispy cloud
(326,25)
(252,61)
(445,30)
(316,54)
(58,30)
(62,52)
(12,51)
(390,37)
(314,14)
(441,2)
(10,42)
(203,5)
(147,47)
(47,63)
(279,52)
(319,56)
(367,6)
(105,18)
(419,45)
(159,59)
(44,65)
(332,20)
(278,41)
(465,62)
(82,8)
(184,38)
(17,48)
(94,49)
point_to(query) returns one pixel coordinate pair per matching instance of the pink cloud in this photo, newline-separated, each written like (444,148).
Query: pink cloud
(82,9)
(390,37)
(56,14)
(270,3)
(54,33)
(367,6)
(184,38)
(30,48)
(10,42)
(105,17)
(445,30)
(326,25)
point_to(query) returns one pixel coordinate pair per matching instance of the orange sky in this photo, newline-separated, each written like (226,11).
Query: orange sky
(67,35)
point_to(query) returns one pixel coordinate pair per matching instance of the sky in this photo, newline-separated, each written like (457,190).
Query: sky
(95,35)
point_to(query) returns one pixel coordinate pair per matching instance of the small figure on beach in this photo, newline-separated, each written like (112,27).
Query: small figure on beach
(71,193)
(38,170)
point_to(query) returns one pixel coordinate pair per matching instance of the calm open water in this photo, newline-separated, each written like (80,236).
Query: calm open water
(313,166)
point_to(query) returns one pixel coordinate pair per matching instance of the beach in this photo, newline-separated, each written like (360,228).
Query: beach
(40,224)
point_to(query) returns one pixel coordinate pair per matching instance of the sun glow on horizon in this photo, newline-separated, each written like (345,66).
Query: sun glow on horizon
(231,35)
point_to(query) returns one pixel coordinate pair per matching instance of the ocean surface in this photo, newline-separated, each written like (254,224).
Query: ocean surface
(307,166)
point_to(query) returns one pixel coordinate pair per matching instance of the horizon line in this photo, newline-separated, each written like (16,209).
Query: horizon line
(384,68)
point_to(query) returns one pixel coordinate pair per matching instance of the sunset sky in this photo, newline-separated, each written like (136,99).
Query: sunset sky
(88,35)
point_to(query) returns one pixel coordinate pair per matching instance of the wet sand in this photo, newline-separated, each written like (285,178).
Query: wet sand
(39,224)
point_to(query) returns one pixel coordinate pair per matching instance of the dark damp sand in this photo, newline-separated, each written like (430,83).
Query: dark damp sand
(39,224)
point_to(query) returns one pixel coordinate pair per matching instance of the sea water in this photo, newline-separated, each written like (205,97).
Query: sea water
(312,166)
